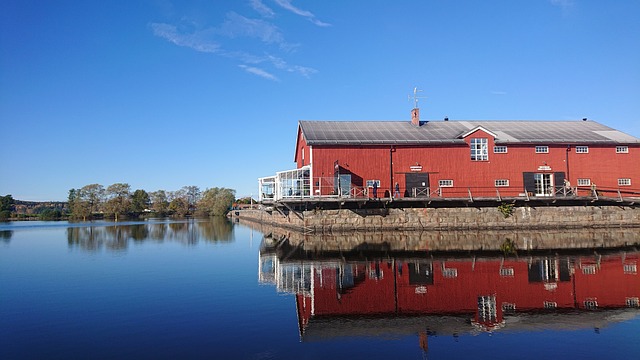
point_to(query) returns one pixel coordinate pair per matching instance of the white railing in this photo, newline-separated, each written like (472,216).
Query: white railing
(298,184)
(421,192)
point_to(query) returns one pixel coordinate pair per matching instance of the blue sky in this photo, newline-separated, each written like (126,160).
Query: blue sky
(164,94)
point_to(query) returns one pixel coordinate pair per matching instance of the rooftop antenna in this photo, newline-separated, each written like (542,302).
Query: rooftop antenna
(415,97)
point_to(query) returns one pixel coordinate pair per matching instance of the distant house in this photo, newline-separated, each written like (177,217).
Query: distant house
(240,206)
(457,158)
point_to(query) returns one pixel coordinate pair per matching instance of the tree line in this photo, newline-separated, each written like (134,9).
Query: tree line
(118,200)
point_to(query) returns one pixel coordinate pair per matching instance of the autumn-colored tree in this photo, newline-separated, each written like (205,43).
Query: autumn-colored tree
(216,201)
(179,206)
(159,202)
(86,201)
(119,199)
(192,194)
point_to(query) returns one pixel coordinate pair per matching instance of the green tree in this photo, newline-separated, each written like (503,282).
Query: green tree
(77,208)
(159,202)
(139,201)
(216,201)
(73,195)
(119,201)
(6,204)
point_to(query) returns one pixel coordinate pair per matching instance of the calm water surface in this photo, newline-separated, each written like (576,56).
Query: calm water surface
(212,289)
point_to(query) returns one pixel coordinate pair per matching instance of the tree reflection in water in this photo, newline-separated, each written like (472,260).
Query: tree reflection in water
(5,235)
(217,229)
(116,237)
(139,232)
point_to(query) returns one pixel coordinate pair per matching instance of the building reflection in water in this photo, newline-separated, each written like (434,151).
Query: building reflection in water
(402,293)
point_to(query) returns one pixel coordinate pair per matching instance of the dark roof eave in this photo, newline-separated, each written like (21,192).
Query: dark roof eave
(564,142)
(386,142)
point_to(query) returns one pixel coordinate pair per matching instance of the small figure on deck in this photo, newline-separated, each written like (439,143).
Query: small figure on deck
(397,190)
(567,187)
(375,189)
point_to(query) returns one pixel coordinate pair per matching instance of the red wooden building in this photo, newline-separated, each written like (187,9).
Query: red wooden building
(457,158)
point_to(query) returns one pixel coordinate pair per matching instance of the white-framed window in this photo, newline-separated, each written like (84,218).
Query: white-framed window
(589,269)
(550,304)
(582,149)
(487,309)
(502,182)
(508,308)
(450,272)
(506,272)
(542,149)
(445,183)
(624,182)
(622,149)
(479,149)
(499,149)
(371,182)
(630,269)
(376,275)
(591,304)
(584,182)
(632,302)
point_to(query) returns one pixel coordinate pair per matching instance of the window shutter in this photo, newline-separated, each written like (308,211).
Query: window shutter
(558,180)
(529,182)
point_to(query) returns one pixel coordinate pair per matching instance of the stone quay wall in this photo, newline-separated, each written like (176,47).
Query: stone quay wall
(469,218)
(596,239)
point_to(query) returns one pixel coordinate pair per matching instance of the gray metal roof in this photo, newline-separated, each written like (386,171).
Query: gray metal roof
(451,132)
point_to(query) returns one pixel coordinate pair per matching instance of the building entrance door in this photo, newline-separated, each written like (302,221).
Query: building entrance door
(417,184)
(543,184)
(342,185)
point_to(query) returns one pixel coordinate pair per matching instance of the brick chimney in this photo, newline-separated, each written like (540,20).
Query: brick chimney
(415,117)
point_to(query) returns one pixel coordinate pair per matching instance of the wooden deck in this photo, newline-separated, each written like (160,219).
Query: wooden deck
(334,202)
